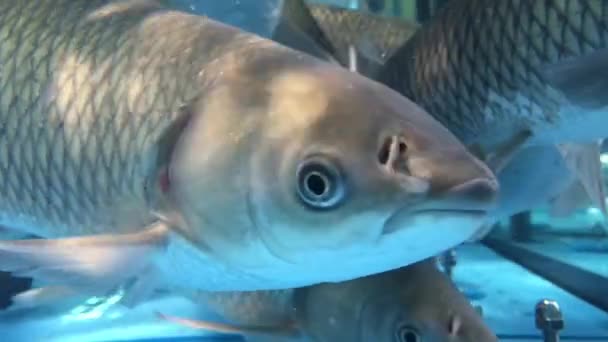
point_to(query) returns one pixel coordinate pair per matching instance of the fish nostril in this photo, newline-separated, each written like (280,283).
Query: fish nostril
(393,153)
(385,150)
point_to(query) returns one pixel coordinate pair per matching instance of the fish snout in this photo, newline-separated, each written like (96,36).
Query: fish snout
(476,195)
(457,181)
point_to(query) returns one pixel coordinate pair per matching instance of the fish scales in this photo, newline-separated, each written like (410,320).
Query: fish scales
(197,140)
(85,100)
(345,28)
(482,56)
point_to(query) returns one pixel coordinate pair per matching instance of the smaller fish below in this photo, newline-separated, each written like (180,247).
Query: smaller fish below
(413,303)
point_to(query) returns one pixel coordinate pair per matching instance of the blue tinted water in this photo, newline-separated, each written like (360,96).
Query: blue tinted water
(506,291)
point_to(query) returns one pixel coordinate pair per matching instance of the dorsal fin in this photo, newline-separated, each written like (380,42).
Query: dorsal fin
(298,29)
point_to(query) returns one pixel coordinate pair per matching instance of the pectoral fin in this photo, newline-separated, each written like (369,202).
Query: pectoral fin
(89,264)
(504,153)
(483,231)
(584,161)
(42,296)
(287,330)
(571,199)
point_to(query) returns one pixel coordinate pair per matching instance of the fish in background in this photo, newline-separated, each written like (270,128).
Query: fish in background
(414,303)
(541,175)
(298,29)
(344,35)
(160,149)
(509,74)
(492,71)
(377,37)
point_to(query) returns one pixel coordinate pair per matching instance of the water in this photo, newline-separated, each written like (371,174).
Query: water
(504,289)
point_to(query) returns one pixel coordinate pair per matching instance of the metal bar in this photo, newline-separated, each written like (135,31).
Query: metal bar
(530,337)
(423,10)
(583,284)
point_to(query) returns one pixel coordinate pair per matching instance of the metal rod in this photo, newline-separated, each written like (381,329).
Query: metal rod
(588,286)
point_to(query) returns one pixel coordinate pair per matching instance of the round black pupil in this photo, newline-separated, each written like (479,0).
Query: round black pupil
(316,184)
(409,336)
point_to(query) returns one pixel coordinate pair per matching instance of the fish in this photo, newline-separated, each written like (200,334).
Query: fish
(161,149)
(413,303)
(339,32)
(505,75)
(561,177)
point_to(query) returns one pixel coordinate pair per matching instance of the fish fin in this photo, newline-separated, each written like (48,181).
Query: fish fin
(92,263)
(584,161)
(290,36)
(224,328)
(582,79)
(482,232)
(370,51)
(141,288)
(365,58)
(42,296)
(299,28)
(505,152)
(565,203)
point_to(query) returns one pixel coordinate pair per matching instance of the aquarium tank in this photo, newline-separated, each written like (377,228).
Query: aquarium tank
(517,82)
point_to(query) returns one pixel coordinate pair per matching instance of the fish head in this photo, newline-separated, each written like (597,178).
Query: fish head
(293,164)
(404,305)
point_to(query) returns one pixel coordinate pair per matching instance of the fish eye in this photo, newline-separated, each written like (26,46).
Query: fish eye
(320,183)
(407,334)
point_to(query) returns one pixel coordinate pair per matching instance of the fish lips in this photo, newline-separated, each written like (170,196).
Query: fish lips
(404,217)
(472,201)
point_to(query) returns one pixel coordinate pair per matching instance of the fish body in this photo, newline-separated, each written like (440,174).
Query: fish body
(490,70)
(416,302)
(140,142)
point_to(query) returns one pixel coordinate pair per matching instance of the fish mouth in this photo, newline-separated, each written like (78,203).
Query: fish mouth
(451,211)
(402,217)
